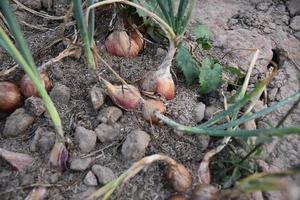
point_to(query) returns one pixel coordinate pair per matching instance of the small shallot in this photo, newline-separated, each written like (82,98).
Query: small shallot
(179,177)
(10,97)
(18,160)
(120,43)
(126,97)
(28,89)
(149,108)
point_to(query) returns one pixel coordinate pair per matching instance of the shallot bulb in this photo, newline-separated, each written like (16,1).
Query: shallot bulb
(179,177)
(126,97)
(160,82)
(10,97)
(28,89)
(149,108)
(120,43)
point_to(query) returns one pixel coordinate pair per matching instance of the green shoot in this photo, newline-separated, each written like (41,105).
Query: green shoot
(87,38)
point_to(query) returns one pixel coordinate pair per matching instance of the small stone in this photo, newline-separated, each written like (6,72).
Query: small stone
(135,145)
(54,178)
(199,111)
(34,106)
(83,195)
(263,6)
(60,94)
(79,164)
(104,174)
(259,106)
(90,179)
(17,123)
(86,139)
(295,23)
(293,6)
(160,52)
(267,30)
(297,35)
(97,97)
(109,115)
(107,133)
(43,140)
(249,125)
(210,111)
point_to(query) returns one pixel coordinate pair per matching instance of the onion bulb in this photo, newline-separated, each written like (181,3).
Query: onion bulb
(120,43)
(149,107)
(160,82)
(127,98)
(179,177)
(28,89)
(10,97)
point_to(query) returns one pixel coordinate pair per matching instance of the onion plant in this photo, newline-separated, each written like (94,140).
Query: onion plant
(22,55)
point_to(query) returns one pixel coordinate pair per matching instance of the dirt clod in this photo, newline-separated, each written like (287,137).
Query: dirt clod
(109,115)
(17,123)
(104,174)
(79,164)
(60,94)
(295,23)
(86,139)
(210,111)
(97,97)
(199,111)
(34,106)
(107,133)
(43,140)
(90,179)
(135,145)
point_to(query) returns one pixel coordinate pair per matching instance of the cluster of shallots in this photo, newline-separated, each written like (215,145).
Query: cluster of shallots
(128,97)
(11,97)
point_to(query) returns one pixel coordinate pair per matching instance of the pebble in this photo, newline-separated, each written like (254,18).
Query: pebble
(109,115)
(90,179)
(295,23)
(54,178)
(86,139)
(160,52)
(34,106)
(135,145)
(104,174)
(43,140)
(249,125)
(107,133)
(210,111)
(199,111)
(60,94)
(79,164)
(97,97)
(17,123)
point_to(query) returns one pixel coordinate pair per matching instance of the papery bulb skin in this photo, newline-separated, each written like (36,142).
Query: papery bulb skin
(179,177)
(10,97)
(28,89)
(160,82)
(149,107)
(123,96)
(166,87)
(119,43)
(59,156)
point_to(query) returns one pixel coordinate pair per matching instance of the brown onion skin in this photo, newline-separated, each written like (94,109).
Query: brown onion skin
(177,197)
(166,88)
(28,89)
(179,177)
(119,43)
(10,97)
(149,107)
(123,97)
(204,192)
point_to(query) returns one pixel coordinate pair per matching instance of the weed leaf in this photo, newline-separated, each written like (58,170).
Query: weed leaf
(210,76)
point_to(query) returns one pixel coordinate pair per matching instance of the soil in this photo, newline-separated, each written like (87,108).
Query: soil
(234,23)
